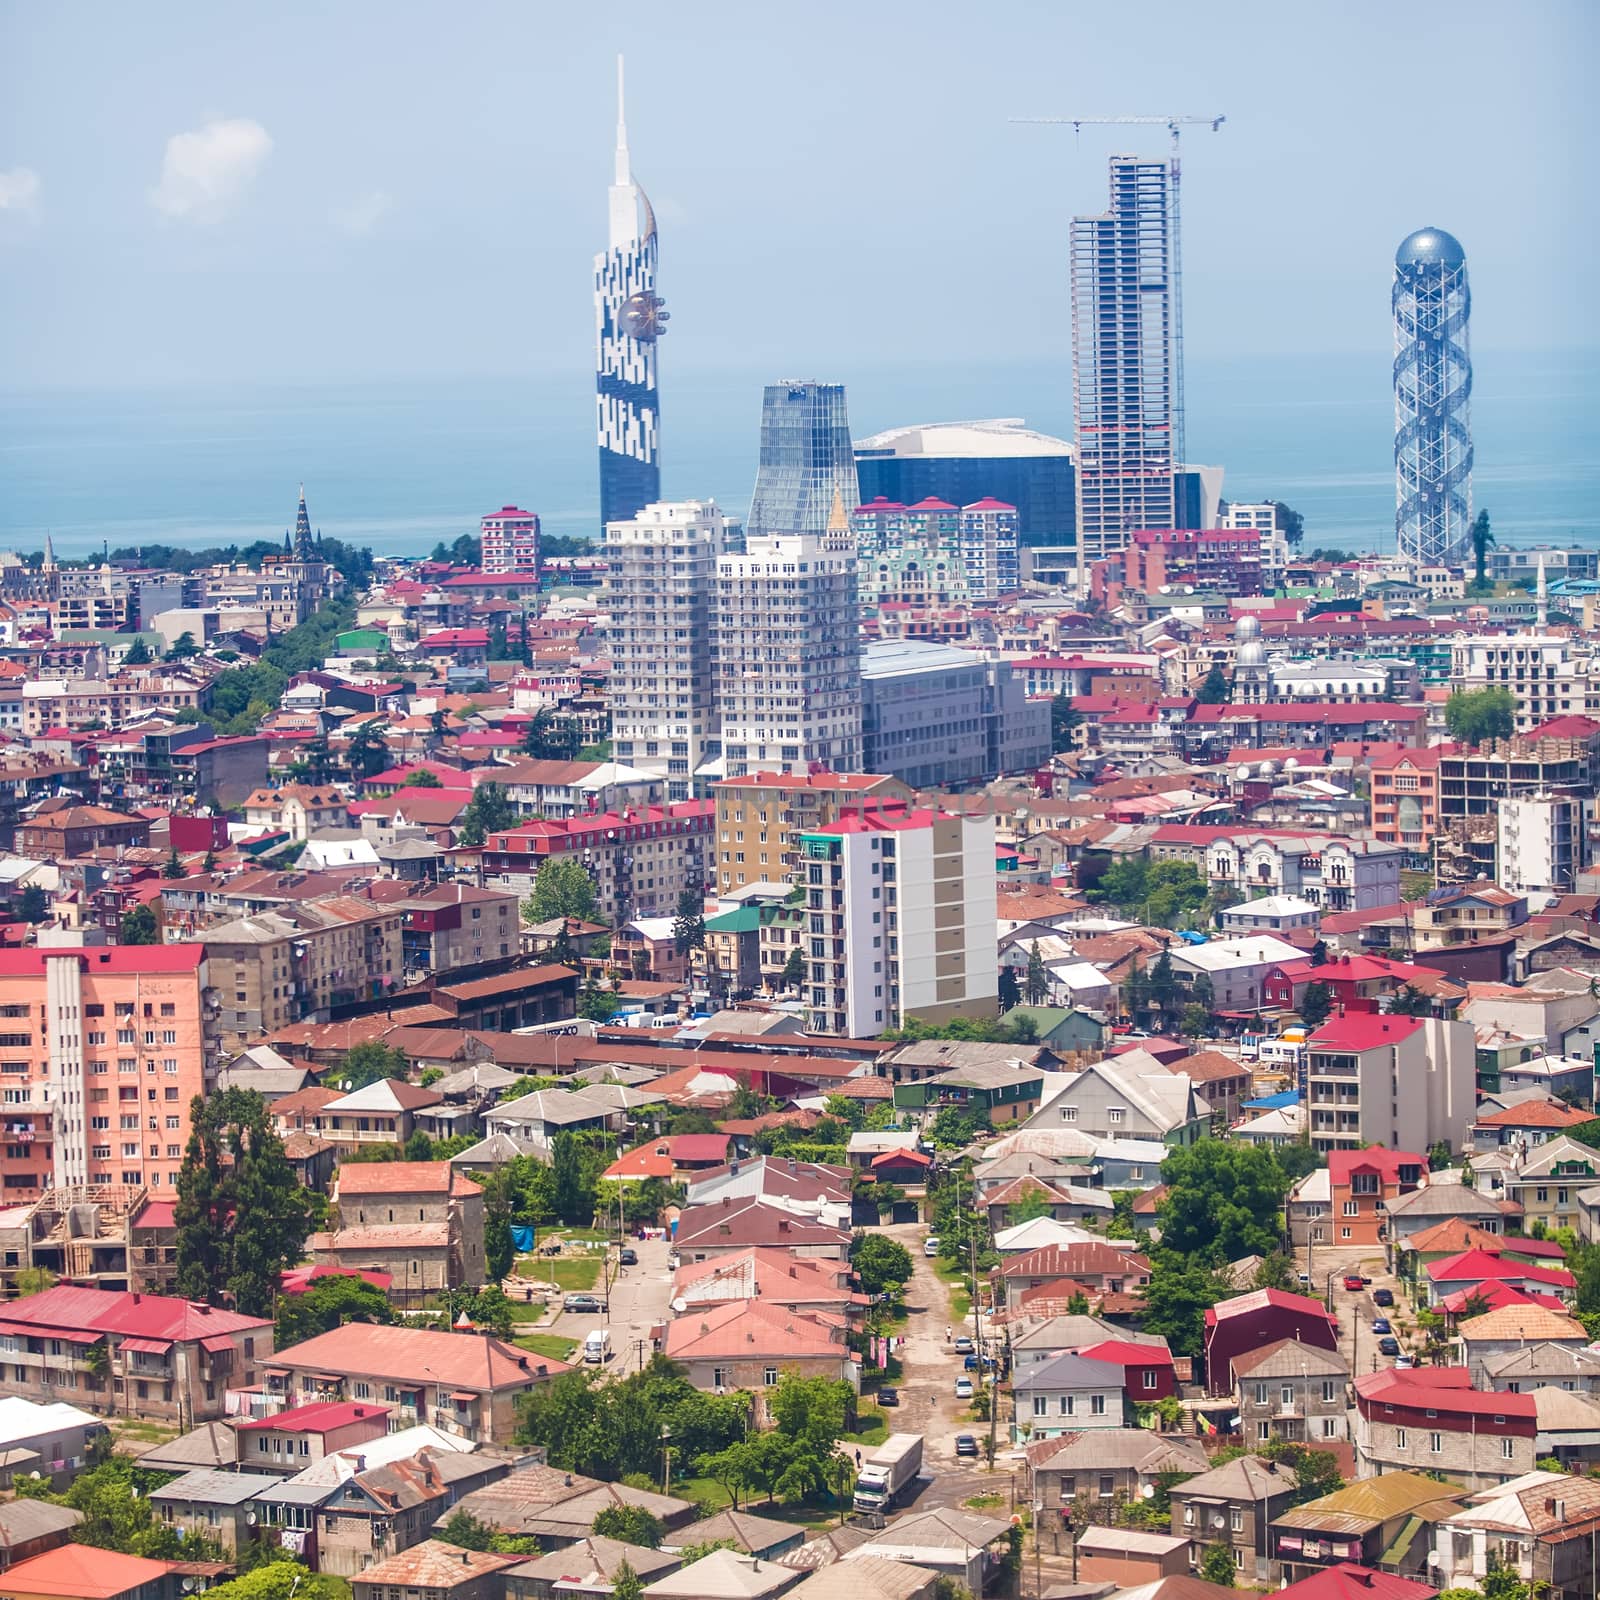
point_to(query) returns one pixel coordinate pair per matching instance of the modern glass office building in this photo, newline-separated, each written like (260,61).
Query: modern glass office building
(629,319)
(807,463)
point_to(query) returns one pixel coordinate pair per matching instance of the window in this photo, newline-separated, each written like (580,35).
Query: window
(1107,1486)
(1330,1427)
(1097,1405)
(1329,1390)
(1236,1519)
(770,1376)
(1069,1113)
(1152,1378)
(1352,1208)
(1261,1394)
(1507,1448)
(1399,1438)
(1115,1113)
(1263,1430)
(719,1377)
(1436,1442)
(1041,1404)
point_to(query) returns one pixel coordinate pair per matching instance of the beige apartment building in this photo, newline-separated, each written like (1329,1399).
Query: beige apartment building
(761,816)
(110,702)
(295,964)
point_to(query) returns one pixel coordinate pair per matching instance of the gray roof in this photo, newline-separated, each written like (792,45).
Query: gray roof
(933,1530)
(862,1577)
(479,1075)
(212,1444)
(960,1053)
(1067,1333)
(1117,1448)
(750,1533)
(1069,1371)
(1442,1200)
(1246,1478)
(832,1545)
(1288,1358)
(990,1074)
(1540,1359)
(491,1150)
(724,1575)
(595,1560)
(23,1520)
(216,1488)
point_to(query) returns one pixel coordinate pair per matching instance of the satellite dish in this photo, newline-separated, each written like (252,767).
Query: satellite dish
(1148,1492)
(1218,1520)
(252,1518)
(1291,764)
(1242,771)
(189,1584)
(34,1476)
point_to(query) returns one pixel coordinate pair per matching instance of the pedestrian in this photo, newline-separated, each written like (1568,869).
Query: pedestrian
(947,1333)
(858,1459)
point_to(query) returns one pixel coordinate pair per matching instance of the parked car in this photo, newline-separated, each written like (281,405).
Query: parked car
(1383,1297)
(974,1361)
(1389,1347)
(587,1303)
(1353,1281)
(888,1397)
(966,1445)
(1403,1360)
(963,1388)
(628,1256)
(1381,1325)
(964,1345)
(930,1245)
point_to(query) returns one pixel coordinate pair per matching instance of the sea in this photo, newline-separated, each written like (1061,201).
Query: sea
(400,465)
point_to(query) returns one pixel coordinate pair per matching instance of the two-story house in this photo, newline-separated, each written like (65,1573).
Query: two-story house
(1291,1392)
(1064,1395)
(1361,1184)
(1547,1183)
(1234,1504)
(1117,1099)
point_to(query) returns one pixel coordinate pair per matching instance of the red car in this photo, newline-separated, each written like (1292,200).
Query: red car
(1354,1282)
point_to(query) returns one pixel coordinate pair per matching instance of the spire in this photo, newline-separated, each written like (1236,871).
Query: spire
(624,191)
(49,555)
(623,174)
(302,529)
(1542,596)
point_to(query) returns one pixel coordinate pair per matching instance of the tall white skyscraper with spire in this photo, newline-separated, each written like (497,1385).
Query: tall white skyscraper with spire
(630,318)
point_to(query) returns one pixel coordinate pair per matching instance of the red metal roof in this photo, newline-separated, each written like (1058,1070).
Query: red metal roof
(110,1311)
(321,1416)
(1363,1030)
(130,959)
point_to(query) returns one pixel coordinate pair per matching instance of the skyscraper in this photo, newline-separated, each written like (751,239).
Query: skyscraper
(788,651)
(1432,383)
(660,596)
(1123,391)
(629,318)
(807,461)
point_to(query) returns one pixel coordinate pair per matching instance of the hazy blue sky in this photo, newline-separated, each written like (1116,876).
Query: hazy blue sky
(292,191)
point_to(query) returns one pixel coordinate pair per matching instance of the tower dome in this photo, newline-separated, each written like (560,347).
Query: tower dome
(1430,246)
(1248,649)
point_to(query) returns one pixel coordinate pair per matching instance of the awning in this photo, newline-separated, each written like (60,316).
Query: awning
(462,1394)
(83,1337)
(147,1347)
(217,1344)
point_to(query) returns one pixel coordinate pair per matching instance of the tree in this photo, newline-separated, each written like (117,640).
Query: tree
(1481,538)
(34,1280)
(574,1201)
(488,811)
(1224,1200)
(1217,1566)
(499,1248)
(327,1304)
(1297,1160)
(1292,524)
(1034,1202)
(1213,690)
(418,1146)
(1010,989)
(562,888)
(1064,718)
(1176,1300)
(794,969)
(955,1127)
(632,1525)
(1315,1004)
(882,1263)
(596,1004)
(367,753)
(1036,985)
(423,778)
(242,1216)
(137,655)
(139,926)
(627,1585)
(33,905)
(183,647)
(369,1062)
(463,1530)
(1473,715)
(689,925)
(174,867)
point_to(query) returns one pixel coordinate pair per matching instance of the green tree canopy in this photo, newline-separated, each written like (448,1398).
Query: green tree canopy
(561,888)
(33,906)
(1474,715)
(632,1525)
(242,1216)
(328,1303)
(1315,1004)
(1213,690)
(1224,1200)
(1176,1299)
(488,811)
(139,926)
(370,1062)
(881,1263)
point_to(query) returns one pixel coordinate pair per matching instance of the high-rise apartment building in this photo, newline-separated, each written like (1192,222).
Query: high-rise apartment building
(510,539)
(102,1048)
(989,548)
(1123,389)
(787,647)
(1540,843)
(761,816)
(629,318)
(1432,387)
(936,553)
(807,465)
(900,919)
(660,596)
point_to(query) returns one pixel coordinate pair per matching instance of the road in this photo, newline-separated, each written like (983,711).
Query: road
(640,1300)
(1356,1309)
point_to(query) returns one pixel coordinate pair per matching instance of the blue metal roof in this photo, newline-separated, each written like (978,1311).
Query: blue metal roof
(1274,1102)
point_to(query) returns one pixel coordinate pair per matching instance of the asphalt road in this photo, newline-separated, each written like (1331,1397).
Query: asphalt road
(640,1299)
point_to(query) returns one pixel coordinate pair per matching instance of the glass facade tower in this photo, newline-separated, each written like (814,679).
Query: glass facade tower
(629,319)
(807,461)
(1123,390)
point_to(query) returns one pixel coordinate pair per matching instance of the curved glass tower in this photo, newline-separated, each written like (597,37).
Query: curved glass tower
(629,318)
(1432,391)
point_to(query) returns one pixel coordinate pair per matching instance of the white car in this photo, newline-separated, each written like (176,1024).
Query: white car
(930,1245)
(963,1388)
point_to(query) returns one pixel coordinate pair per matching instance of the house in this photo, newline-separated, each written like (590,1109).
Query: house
(1468,914)
(50,1441)
(1249,1322)
(1039,1340)
(381,1511)
(959,1544)
(1510,1330)
(748,1344)
(776,1277)
(131,1354)
(419,1221)
(1425,1208)
(559,1507)
(1530,1368)
(671,1158)
(588,1567)
(1292,1392)
(86,1572)
(1129,1557)
(765,1537)
(1125,1099)
(213,1505)
(1547,1183)
(1101,1465)
(1233,968)
(730,1226)
(724,1575)
(380,1113)
(1065,1395)
(1223,1080)
(1003,1092)
(538,1117)
(466,1384)
(1235,1504)
(30,1527)
(1095,1265)
(1432,1419)
(1359,1523)
(1148,1373)
(1542,1526)
(1068,1203)
(297,809)
(438,1571)
(289,1441)
(1362,1183)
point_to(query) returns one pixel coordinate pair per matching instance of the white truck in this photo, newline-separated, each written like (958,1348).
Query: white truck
(888,1470)
(597,1347)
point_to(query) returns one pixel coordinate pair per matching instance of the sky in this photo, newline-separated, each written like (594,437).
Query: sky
(193,193)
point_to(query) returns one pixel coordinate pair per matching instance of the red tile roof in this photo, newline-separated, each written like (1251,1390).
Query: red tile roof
(86,1572)
(139,958)
(149,1316)
(403,1177)
(1535,1114)
(465,1361)
(1387,1163)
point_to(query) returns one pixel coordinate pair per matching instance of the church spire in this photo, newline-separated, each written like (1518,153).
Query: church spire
(49,555)
(302,529)
(1542,597)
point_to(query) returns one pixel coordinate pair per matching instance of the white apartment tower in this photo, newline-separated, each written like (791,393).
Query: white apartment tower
(1540,844)
(788,652)
(900,919)
(660,596)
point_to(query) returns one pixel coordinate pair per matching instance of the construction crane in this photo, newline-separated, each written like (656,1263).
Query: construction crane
(1172,124)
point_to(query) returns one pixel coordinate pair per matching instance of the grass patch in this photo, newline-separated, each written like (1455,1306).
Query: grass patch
(872,1426)
(571,1275)
(144,1432)
(821,1514)
(984,1502)
(555,1345)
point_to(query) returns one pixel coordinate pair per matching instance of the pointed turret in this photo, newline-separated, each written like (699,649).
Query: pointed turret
(49,555)
(302,529)
(1541,594)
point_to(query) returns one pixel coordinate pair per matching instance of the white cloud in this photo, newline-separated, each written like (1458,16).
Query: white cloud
(207,169)
(19,189)
(361,216)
